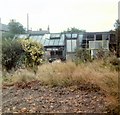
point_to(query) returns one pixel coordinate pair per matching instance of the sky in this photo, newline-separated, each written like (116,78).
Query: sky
(90,15)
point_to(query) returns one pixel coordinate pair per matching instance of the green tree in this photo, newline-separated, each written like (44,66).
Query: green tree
(117,27)
(73,30)
(14,28)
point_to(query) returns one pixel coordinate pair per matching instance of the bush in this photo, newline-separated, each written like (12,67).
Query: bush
(82,55)
(33,53)
(11,53)
(102,54)
(18,52)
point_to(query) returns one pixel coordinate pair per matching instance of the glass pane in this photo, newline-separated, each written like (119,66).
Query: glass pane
(55,35)
(47,36)
(51,42)
(105,37)
(42,41)
(98,45)
(74,35)
(73,45)
(80,38)
(92,44)
(68,45)
(46,43)
(68,35)
(33,37)
(22,36)
(61,42)
(56,42)
(99,37)
(40,37)
(105,44)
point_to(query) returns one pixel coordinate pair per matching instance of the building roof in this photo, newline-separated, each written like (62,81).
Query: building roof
(41,32)
(49,39)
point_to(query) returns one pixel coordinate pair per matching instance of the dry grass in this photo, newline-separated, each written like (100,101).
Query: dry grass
(68,74)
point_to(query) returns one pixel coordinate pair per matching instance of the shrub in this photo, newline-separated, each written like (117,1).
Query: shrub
(11,53)
(102,54)
(82,55)
(18,52)
(33,53)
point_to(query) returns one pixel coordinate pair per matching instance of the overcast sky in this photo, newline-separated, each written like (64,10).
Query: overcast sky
(91,15)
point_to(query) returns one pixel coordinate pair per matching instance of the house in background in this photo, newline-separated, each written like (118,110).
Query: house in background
(63,45)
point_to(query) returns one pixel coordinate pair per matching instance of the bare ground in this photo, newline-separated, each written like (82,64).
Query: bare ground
(35,98)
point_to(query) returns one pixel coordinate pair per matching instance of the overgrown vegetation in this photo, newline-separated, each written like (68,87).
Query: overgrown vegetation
(33,53)
(82,55)
(99,73)
(18,52)
(11,53)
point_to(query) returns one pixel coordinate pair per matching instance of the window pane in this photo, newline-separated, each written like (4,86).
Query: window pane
(61,42)
(56,42)
(22,36)
(68,45)
(98,45)
(68,35)
(73,45)
(80,38)
(33,37)
(46,42)
(74,35)
(104,37)
(54,35)
(42,41)
(105,44)
(91,44)
(99,37)
(47,36)
(51,42)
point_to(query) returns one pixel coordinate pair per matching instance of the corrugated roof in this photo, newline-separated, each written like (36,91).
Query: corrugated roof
(46,40)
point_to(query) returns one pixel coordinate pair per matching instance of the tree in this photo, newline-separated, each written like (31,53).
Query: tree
(14,28)
(117,24)
(73,30)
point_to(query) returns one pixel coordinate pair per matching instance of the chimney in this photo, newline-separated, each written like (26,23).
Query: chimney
(40,29)
(48,29)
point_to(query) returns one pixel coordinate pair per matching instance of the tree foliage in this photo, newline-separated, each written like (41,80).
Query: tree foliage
(33,52)
(14,28)
(16,53)
(73,30)
(11,53)
(82,55)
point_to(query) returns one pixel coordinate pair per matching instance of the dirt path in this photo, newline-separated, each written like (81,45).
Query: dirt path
(36,98)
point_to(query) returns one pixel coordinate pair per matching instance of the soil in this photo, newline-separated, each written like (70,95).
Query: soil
(36,98)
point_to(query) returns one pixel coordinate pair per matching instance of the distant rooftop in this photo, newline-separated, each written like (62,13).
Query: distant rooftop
(40,32)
